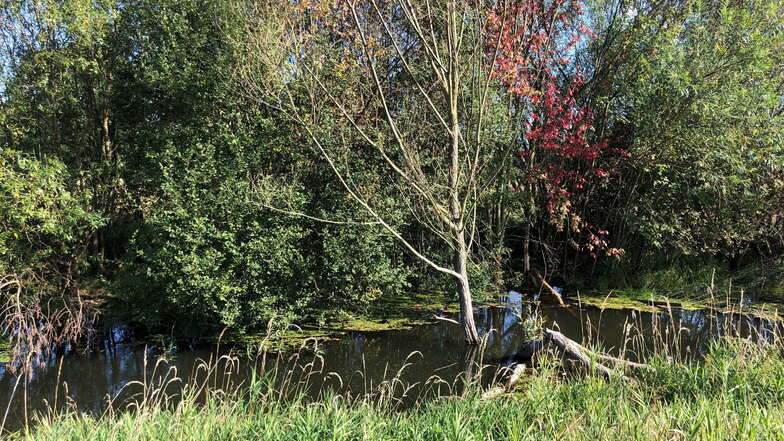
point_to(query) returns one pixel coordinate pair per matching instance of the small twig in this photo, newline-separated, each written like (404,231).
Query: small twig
(318,219)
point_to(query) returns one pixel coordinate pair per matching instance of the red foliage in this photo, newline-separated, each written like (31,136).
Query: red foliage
(532,43)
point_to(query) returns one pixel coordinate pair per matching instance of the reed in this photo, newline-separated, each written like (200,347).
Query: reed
(734,390)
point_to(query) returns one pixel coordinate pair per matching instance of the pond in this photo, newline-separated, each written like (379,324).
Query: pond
(433,357)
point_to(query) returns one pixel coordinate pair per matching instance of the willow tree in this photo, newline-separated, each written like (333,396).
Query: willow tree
(409,82)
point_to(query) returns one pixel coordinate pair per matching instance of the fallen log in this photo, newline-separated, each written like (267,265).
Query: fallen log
(575,351)
(514,378)
(571,350)
(529,351)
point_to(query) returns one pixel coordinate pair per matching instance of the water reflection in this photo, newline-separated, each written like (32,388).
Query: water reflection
(363,360)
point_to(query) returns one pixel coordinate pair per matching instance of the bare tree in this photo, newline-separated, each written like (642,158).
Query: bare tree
(412,82)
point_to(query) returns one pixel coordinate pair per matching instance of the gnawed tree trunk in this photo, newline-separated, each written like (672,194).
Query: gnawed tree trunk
(471,368)
(546,286)
(575,351)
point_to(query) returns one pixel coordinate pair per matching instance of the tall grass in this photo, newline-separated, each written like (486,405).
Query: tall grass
(694,279)
(735,391)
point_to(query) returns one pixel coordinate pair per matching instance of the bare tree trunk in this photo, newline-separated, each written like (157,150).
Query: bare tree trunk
(471,369)
(106,139)
(443,176)
(464,292)
(452,91)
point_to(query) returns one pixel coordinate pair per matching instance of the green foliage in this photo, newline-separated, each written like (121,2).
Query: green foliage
(131,153)
(696,100)
(43,226)
(208,251)
(165,148)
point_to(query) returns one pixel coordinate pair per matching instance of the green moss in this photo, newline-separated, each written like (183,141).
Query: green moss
(386,314)
(5,351)
(617,302)
(407,311)
(289,340)
(644,300)
(399,312)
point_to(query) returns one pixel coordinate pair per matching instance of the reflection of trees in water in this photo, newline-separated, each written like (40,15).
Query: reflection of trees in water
(706,326)
(694,319)
(679,332)
(358,344)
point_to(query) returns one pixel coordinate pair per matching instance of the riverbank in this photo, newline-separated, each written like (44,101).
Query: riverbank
(352,357)
(737,392)
(755,291)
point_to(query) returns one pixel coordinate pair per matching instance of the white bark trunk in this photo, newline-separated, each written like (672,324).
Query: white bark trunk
(464,293)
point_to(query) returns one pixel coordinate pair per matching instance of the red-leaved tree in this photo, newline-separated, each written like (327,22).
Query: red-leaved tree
(533,45)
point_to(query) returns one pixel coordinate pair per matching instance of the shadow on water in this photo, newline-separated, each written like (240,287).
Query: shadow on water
(433,358)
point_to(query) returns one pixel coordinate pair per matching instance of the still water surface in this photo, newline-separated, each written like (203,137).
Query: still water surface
(363,360)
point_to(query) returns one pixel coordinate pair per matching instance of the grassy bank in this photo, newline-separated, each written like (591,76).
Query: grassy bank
(756,288)
(736,393)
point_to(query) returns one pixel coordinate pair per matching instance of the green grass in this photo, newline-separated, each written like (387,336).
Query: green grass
(650,301)
(700,285)
(695,279)
(736,393)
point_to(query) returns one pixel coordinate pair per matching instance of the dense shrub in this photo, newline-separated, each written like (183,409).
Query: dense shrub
(44,227)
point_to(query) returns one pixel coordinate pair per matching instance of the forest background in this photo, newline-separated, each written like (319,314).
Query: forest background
(156,165)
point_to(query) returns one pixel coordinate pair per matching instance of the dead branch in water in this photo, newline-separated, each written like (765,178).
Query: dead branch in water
(446,319)
(575,351)
(550,290)
(37,324)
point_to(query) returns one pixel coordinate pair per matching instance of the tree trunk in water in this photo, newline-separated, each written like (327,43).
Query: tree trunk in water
(457,210)
(464,292)
(470,369)
(547,287)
